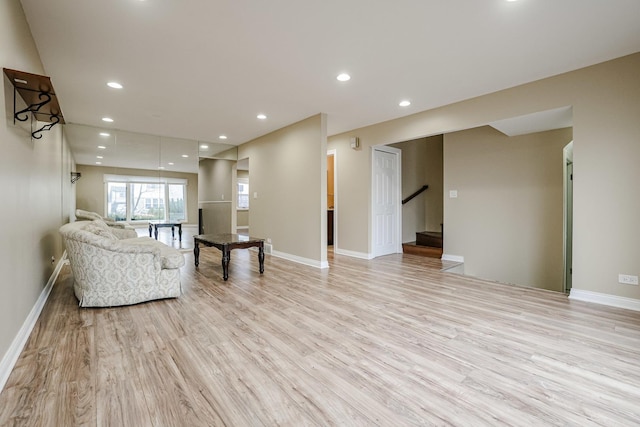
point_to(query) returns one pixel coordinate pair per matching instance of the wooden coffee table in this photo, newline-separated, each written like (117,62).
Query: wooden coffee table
(227,242)
(154,225)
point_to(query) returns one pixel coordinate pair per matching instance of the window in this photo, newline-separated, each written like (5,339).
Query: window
(117,201)
(131,198)
(243,193)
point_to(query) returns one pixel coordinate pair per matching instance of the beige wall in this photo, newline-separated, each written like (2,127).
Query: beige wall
(288,172)
(215,194)
(90,189)
(36,185)
(507,218)
(214,180)
(606,131)
(242,218)
(421,164)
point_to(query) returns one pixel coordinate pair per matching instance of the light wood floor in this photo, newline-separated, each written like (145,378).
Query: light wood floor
(389,342)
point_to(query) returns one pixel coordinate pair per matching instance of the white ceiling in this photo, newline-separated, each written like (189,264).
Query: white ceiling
(197,69)
(540,121)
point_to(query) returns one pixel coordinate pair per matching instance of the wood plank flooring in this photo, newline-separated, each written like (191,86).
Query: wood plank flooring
(390,342)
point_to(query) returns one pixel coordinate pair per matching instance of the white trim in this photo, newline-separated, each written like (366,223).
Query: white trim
(214,201)
(454,258)
(301,260)
(13,353)
(354,254)
(605,299)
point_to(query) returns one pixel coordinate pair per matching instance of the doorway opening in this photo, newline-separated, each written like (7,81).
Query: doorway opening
(567,154)
(242,199)
(331,198)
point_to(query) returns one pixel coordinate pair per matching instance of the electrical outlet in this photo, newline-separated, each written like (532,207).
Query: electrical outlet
(269,240)
(627,279)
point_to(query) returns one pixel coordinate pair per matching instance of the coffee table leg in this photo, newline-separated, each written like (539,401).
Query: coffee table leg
(180,232)
(261,257)
(150,229)
(155,231)
(226,255)
(173,233)
(196,252)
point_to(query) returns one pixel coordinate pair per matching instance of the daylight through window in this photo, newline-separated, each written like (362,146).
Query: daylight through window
(131,198)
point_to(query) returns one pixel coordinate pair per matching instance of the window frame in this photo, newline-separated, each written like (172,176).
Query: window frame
(130,180)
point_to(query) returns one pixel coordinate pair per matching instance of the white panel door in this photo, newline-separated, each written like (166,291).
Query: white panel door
(385,199)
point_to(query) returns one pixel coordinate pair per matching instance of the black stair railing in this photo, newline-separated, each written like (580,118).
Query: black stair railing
(415,193)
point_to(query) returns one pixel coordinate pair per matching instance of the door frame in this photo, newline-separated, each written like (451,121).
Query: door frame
(398,225)
(333,152)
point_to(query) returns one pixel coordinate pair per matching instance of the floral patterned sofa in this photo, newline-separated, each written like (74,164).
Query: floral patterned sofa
(112,266)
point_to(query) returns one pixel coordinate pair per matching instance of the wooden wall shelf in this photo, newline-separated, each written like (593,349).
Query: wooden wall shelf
(41,100)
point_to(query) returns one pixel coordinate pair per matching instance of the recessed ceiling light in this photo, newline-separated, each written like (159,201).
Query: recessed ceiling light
(204,146)
(343,77)
(185,155)
(102,147)
(114,85)
(261,116)
(222,137)
(98,163)
(160,167)
(105,134)
(404,103)
(99,157)
(170,163)
(107,119)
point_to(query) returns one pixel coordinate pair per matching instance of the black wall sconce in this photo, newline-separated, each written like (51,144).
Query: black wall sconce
(75,176)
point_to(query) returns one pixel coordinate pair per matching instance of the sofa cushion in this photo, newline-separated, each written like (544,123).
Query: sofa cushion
(101,230)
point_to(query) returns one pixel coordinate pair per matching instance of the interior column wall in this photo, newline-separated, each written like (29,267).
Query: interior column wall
(288,185)
(506,218)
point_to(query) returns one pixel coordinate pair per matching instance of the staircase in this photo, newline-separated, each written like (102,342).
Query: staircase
(428,244)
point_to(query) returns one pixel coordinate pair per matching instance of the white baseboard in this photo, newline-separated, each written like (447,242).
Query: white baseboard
(605,299)
(354,254)
(13,353)
(454,258)
(301,260)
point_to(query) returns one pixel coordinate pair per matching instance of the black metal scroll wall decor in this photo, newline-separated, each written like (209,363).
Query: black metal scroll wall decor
(41,100)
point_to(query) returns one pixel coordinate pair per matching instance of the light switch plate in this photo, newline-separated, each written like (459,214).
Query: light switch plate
(453,194)
(627,279)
